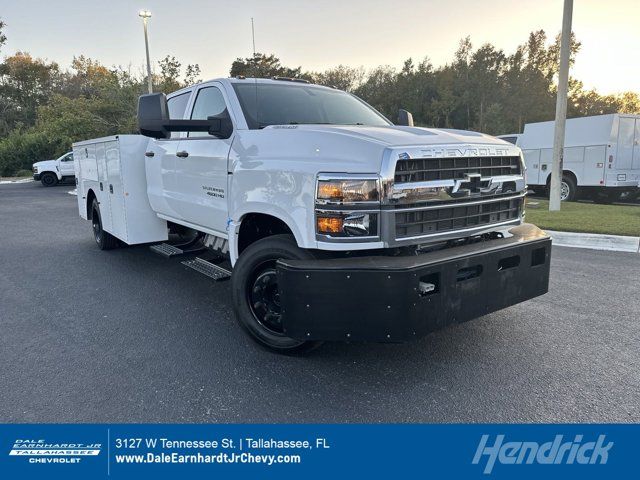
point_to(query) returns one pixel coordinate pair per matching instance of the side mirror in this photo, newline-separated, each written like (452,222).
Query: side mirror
(153,114)
(405,118)
(154,121)
(220,125)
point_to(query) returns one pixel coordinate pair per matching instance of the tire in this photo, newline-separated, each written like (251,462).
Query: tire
(568,189)
(49,179)
(105,240)
(255,293)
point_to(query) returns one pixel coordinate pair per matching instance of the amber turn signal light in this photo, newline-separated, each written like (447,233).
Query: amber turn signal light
(329,224)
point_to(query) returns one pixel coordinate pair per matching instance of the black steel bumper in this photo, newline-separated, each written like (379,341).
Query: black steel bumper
(386,299)
(36,177)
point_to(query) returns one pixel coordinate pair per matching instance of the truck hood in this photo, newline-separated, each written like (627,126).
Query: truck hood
(355,149)
(396,136)
(45,163)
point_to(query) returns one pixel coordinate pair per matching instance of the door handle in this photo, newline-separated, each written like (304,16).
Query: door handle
(149,154)
(182,154)
(110,188)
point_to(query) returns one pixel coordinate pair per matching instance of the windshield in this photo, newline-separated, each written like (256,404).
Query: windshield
(302,104)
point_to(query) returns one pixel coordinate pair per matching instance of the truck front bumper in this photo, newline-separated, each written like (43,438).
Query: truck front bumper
(396,299)
(36,177)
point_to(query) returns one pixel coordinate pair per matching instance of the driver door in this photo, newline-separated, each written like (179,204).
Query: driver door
(66,166)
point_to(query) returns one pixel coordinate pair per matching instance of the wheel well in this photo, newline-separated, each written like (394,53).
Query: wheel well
(90,197)
(255,226)
(567,173)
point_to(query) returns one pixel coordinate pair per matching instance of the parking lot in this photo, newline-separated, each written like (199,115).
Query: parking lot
(129,336)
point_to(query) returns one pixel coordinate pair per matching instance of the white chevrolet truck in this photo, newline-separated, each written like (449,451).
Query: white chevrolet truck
(50,172)
(332,223)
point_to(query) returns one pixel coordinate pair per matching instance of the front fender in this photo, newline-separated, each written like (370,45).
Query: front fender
(266,209)
(280,192)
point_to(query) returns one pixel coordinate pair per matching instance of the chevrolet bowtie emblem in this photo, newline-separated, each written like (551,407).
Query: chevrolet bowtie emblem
(469,185)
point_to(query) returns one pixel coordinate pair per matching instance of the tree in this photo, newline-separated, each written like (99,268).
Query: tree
(192,76)
(342,77)
(169,80)
(3,37)
(43,108)
(379,90)
(25,84)
(262,66)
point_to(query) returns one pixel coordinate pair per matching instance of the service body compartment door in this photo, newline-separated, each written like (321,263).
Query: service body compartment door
(626,133)
(102,192)
(573,160)
(595,159)
(546,162)
(532,161)
(636,148)
(114,191)
(160,168)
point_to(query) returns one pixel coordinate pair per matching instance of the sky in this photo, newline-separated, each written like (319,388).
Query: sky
(318,34)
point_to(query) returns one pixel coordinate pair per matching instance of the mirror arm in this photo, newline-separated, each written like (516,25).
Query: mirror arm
(187,125)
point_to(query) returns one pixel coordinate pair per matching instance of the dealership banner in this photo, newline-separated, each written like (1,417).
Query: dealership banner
(318,451)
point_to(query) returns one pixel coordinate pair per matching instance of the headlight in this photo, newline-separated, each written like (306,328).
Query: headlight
(335,193)
(35,169)
(347,191)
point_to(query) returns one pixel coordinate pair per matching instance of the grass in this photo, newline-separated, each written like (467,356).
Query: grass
(19,175)
(585,217)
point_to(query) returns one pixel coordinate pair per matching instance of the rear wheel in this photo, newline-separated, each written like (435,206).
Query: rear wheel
(49,179)
(568,189)
(105,240)
(256,296)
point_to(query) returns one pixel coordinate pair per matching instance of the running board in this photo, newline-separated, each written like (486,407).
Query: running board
(166,250)
(207,268)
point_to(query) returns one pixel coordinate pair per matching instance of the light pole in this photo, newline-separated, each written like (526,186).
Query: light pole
(146,15)
(561,107)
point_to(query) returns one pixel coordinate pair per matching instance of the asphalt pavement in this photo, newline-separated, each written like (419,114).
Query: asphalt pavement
(129,336)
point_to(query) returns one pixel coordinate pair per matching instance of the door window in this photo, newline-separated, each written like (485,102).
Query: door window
(209,103)
(178,105)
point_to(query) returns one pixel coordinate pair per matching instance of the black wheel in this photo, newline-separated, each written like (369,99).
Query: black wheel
(256,297)
(49,179)
(568,189)
(105,240)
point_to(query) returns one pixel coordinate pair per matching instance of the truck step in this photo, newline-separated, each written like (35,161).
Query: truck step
(166,250)
(207,268)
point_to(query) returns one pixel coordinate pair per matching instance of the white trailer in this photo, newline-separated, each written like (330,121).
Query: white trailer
(601,155)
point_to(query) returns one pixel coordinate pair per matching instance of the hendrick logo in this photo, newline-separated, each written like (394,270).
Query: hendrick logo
(554,452)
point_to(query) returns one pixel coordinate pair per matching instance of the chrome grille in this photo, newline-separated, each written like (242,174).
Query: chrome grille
(428,169)
(460,216)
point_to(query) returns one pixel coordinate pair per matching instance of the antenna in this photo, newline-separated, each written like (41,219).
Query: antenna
(253,38)
(254,65)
